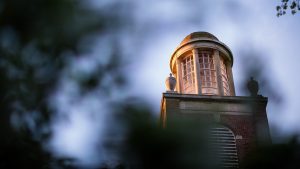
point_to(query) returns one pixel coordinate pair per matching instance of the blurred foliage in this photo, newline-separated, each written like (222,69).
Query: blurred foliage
(185,144)
(292,5)
(276,156)
(37,39)
(21,151)
(146,145)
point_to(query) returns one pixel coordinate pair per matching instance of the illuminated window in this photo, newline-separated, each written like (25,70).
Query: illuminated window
(188,79)
(224,77)
(207,73)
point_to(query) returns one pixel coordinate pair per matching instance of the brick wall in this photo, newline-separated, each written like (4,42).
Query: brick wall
(241,126)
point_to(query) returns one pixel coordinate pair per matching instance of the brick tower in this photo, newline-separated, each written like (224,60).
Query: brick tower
(202,66)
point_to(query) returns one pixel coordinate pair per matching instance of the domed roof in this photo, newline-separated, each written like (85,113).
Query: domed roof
(198,35)
(200,39)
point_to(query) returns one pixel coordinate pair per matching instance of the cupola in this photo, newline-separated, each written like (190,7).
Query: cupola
(203,65)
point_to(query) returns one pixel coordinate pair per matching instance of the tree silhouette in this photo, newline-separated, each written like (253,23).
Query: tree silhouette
(292,5)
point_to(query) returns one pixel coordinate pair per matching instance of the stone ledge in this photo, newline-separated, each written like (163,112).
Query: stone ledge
(215,98)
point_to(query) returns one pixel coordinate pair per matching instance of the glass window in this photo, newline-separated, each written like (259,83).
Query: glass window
(207,73)
(224,78)
(188,77)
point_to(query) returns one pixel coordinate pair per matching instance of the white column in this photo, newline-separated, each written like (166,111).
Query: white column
(197,71)
(216,57)
(230,79)
(178,76)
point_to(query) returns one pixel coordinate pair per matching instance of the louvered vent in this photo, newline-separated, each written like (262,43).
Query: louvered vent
(224,146)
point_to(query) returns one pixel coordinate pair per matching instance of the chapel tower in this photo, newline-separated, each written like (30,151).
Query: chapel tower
(203,87)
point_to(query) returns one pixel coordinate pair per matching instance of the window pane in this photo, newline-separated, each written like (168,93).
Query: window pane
(207,73)
(188,75)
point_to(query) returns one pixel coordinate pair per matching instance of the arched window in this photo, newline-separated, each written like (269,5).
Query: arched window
(207,73)
(224,77)
(188,76)
(224,146)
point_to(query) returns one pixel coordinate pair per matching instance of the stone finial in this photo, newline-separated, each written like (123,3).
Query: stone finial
(252,86)
(170,83)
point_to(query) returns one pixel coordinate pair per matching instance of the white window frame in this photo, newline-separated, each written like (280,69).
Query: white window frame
(188,75)
(208,74)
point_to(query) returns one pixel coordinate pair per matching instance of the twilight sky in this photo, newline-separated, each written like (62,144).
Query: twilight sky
(249,28)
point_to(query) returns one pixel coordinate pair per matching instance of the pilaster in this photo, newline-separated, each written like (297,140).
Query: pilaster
(178,75)
(230,78)
(216,57)
(197,71)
